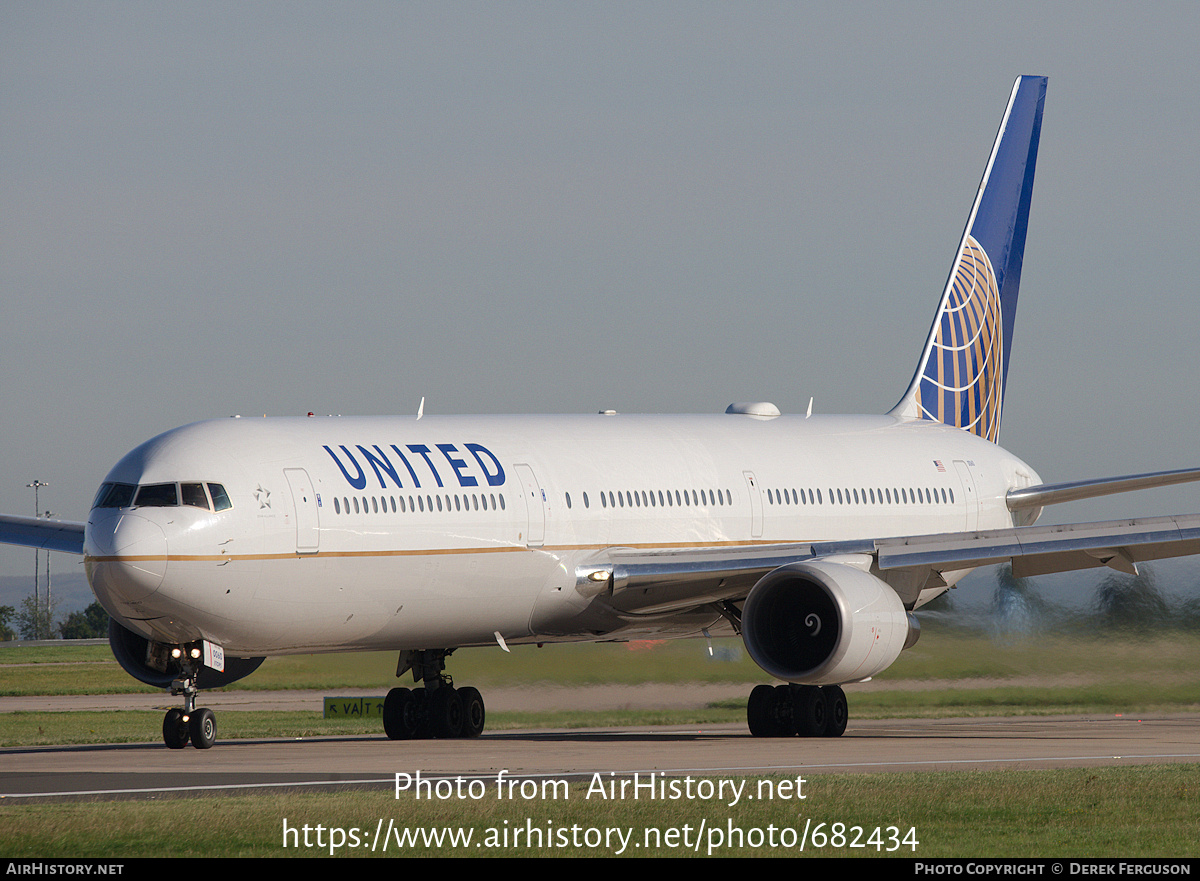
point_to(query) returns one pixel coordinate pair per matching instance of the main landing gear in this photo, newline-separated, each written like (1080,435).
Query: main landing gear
(806,710)
(436,710)
(188,723)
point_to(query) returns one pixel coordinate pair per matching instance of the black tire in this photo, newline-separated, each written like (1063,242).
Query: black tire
(474,712)
(785,713)
(203,728)
(445,713)
(760,712)
(839,711)
(396,714)
(812,711)
(416,714)
(175,730)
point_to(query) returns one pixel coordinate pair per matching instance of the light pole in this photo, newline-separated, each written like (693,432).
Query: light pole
(37,609)
(49,598)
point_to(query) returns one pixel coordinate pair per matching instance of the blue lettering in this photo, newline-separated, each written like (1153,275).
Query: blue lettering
(494,478)
(458,465)
(404,459)
(424,451)
(381,462)
(381,465)
(356,482)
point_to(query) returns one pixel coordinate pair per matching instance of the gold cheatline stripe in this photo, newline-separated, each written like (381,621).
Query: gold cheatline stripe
(174,558)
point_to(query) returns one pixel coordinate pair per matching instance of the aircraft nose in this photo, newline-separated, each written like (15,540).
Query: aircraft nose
(127,555)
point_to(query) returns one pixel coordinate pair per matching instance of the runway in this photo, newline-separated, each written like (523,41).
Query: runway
(869,746)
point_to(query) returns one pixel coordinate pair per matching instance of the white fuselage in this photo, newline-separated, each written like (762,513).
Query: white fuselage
(394,533)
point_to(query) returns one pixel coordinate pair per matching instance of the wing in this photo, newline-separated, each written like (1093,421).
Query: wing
(1055,493)
(49,535)
(656,581)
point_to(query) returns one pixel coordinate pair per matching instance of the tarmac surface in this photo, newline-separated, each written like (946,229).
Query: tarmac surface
(147,770)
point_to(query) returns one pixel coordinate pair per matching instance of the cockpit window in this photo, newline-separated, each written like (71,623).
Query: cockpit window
(193,494)
(157,495)
(220,497)
(162,495)
(115,495)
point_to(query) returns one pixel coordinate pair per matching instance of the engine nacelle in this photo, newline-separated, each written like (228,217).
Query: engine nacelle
(825,623)
(151,663)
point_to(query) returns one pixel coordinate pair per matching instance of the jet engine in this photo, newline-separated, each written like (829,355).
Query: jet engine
(151,662)
(825,623)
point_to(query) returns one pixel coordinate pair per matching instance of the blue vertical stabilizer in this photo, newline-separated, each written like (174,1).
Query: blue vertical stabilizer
(961,376)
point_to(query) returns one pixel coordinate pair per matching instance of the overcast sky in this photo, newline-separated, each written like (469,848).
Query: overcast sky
(218,208)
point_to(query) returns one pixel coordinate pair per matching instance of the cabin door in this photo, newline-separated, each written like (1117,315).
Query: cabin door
(304,498)
(970,494)
(756,505)
(535,504)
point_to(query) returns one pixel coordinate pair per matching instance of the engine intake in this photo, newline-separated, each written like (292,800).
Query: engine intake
(825,623)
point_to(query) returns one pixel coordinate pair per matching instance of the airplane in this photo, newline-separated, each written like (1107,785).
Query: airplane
(814,538)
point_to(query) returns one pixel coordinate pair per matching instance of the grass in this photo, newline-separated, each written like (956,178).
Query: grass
(942,654)
(949,673)
(1148,811)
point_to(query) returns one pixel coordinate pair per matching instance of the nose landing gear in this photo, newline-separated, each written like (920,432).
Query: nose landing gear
(181,725)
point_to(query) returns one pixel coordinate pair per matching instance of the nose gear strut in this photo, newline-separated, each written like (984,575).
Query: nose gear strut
(181,725)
